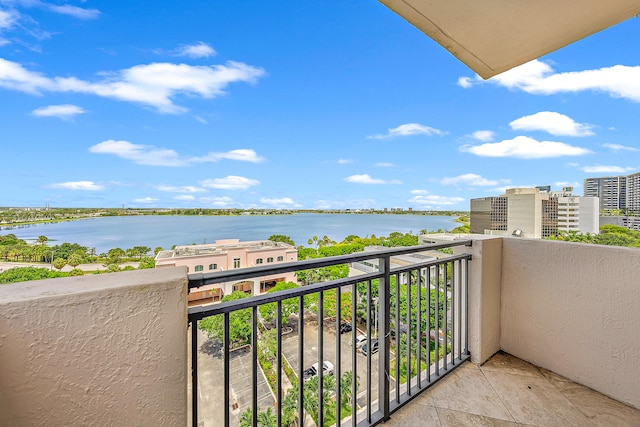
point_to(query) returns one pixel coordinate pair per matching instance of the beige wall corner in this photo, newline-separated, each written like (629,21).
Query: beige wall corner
(574,309)
(108,349)
(485,271)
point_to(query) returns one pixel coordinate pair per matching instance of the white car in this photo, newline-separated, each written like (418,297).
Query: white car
(327,369)
(360,340)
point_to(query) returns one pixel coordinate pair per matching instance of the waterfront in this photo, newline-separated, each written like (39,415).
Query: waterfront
(165,231)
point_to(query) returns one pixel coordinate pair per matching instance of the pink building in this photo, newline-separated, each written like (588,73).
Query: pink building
(227,255)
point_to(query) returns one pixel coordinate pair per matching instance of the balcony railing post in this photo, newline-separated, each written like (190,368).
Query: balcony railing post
(384,342)
(194,372)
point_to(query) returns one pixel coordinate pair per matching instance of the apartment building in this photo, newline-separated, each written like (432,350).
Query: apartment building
(534,213)
(230,254)
(616,192)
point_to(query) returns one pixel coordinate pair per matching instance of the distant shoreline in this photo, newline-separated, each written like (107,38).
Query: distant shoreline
(11,217)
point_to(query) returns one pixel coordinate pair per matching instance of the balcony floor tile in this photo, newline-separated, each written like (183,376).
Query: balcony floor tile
(507,391)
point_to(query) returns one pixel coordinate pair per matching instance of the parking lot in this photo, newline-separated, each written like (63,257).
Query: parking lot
(211,383)
(311,356)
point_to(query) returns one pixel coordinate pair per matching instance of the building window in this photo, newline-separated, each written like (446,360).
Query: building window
(280,258)
(259,261)
(236,263)
(199,267)
(270,259)
(213,266)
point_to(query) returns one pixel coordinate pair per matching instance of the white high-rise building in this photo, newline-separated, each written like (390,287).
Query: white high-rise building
(534,213)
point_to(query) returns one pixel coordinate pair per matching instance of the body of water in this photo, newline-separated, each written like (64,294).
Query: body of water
(165,231)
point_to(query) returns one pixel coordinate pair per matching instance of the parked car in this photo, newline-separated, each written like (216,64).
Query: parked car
(360,339)
(345,327)
(374,347)
(327,369)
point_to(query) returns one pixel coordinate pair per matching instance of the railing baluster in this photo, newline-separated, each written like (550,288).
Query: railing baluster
(445,317)
(384,301)
(320,358)
(301,360)
(354,362)
(453,312)
(368,344)
(408,333)
(429,325)
(437,320)
(279,363)
(227,388)
(194,372)
(396,330)
(254,365)
(419,326)
(338,368)
(460,309)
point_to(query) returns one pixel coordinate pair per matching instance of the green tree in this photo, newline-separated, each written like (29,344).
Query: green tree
(282,238)
(115,255)
(75,260)
(289,306)
(146,262)
(265,418)
(239,323)
(59,263)
(157,250)
(76,272)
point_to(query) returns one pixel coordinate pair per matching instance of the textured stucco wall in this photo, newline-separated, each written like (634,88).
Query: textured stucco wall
(485,271)
(574,309)
(106,349)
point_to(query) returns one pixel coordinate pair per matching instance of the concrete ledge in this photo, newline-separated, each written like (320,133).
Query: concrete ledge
(108,349)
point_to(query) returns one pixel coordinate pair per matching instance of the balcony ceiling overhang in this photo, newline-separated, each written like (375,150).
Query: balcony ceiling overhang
(493,36)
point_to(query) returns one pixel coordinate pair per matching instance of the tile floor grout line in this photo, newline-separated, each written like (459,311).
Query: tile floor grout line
(498,394)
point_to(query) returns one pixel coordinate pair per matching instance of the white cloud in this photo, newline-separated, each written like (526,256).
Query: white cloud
(553,123)
(428,200)
(152,156)
(197,50)
(145,200)
(523,147)
(77,185)
(469,179)
(242,155)
(230,182)
(140,154)
(8,18)
(183,189)
(220,202)
(75,11)
(284,201)
(606,169)
(385,165)
(184,198)
(465,82)
(154,85)
(483,135)
(618,147)
(63,111)
(408,129)
(367,179)
(344,161)
(537,77)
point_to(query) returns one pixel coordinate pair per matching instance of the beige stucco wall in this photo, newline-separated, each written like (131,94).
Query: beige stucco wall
(485,274)
(106,349)
(574,309)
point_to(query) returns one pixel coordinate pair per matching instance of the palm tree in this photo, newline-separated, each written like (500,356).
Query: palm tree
(346,390)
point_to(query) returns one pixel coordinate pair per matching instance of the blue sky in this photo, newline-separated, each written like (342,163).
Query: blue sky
(309,104)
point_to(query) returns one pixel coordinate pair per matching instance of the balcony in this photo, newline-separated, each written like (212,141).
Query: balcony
(553,324)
